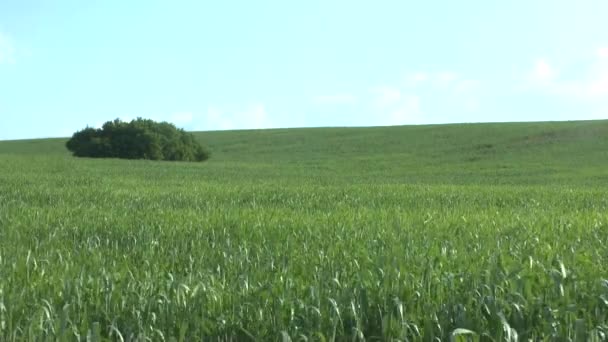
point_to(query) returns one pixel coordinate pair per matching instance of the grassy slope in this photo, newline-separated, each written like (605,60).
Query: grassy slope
(388,232)
(502,153)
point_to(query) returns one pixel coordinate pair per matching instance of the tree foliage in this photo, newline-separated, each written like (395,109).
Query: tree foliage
(138,139)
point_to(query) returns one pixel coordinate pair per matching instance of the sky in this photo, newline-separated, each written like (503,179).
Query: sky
(216,65)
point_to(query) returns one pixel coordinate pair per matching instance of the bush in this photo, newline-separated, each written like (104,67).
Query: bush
(138,139)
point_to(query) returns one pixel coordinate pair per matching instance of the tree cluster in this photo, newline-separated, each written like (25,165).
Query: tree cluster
(138,139)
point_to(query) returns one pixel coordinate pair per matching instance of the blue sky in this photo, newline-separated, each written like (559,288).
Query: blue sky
(207,65)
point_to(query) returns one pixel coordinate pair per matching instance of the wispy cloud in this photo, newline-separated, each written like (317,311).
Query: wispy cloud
(440,79)
(424,97)
(215,119)
(7,49)
(254,116)
(419,97)
(386,96)
(407,111)
(394,106)
(417,78)
(446,79)
(542,72)
(339,98)
(589,84)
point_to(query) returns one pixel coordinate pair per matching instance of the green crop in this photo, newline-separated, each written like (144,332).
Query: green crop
(313,235)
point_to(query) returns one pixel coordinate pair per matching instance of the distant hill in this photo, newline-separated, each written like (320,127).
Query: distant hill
(502,153)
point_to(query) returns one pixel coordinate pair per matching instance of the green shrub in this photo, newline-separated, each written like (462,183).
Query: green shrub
(138,139)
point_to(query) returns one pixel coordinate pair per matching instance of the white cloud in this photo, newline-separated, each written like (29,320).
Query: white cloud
(579,89)
(442,79)
(340,98)
(426,97)
(407,111)
(543,72)
(7,49)
(394,106)
(445,79)
(254,116)
(602,52)
(590,84)
(417,78)
(215,120)
(466,94)
(453,84)
(386,96)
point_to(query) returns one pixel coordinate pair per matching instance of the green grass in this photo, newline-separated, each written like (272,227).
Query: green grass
(400,233)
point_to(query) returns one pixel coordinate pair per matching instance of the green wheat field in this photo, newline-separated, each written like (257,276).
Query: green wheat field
(468,232)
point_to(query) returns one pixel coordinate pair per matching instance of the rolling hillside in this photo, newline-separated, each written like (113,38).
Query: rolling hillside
(495,153)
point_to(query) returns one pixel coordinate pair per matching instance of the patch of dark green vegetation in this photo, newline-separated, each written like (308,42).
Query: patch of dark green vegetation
(138,139)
